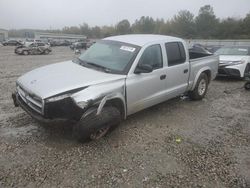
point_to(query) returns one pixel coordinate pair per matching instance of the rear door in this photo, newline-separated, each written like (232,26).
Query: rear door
(147,89)
(178,69)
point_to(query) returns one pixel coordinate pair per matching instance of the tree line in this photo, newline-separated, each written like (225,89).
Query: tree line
(203,26)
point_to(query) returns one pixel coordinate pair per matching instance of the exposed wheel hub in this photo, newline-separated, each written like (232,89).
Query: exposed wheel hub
(202,87)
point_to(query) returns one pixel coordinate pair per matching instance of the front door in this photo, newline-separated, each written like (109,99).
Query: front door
(147,89)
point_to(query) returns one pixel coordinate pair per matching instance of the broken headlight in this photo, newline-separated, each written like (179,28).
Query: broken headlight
(81,104)
(57,98)
(63,95)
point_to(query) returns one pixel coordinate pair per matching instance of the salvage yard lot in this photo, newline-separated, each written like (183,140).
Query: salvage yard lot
(179,143)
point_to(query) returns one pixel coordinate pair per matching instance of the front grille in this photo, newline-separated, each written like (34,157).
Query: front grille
(31,100)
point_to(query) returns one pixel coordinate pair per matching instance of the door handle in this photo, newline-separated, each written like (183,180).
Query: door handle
(185,71)
(162,77)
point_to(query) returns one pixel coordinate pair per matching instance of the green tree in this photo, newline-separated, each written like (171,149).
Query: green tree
(246,26)
(206,23)
(96,32)
(183,24)
(144,25)
(229,28)
(85,30)
(123,27)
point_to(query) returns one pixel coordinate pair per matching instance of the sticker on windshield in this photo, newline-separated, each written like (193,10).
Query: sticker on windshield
(242,49)
(127,48)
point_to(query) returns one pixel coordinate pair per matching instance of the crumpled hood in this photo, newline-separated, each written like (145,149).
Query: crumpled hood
(231,58)
(57,78)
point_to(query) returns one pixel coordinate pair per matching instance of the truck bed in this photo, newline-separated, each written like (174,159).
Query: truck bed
(200,61)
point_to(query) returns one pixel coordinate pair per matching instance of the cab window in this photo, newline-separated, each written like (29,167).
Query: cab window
(175,53)
(152,56)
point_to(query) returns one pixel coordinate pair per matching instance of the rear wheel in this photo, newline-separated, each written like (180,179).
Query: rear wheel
(94,127)
(200,89)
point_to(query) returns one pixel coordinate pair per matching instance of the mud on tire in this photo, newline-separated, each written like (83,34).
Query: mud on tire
(200,89)
(91,126)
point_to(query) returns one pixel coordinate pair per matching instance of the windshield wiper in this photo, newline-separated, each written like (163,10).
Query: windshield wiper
(105,69)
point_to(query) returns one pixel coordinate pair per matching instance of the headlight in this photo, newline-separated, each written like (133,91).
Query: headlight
(57,98)
(237,62)
(63,96)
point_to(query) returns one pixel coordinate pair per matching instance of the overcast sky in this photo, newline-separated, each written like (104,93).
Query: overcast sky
(55,14)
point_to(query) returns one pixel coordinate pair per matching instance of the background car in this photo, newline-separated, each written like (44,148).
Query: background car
(78,45)
(33,48)
(234,60)
(12,43)
(59,43)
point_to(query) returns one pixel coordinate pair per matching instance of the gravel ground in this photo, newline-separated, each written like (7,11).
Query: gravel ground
(179,143)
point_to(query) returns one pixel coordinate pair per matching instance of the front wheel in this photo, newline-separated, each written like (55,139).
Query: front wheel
(200,89)
(247,85)
(94,127)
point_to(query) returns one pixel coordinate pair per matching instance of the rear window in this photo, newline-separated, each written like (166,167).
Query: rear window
(175,53)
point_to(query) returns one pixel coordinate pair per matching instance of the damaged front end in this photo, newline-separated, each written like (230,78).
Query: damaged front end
(71,105)
(57,108)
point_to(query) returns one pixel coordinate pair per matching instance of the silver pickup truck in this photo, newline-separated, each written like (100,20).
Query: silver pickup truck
(114,78)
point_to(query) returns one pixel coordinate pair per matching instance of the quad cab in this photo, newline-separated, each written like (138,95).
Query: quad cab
(116,77)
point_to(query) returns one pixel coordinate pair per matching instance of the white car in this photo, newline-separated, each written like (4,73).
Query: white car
(234,60)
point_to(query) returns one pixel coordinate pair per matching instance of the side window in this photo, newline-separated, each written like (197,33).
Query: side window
(176,53)
(152,56)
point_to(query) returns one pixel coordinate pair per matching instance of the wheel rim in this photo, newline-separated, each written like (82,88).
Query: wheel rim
(99,133)
(25,53)
(202,87)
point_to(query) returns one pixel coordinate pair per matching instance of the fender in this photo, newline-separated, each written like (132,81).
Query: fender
(110,97)
(198,75)
(99,95)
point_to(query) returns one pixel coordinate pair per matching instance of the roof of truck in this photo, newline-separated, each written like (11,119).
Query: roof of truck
(142,39)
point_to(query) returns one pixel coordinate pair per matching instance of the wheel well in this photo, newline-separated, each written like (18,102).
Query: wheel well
(208,73)
(118,104)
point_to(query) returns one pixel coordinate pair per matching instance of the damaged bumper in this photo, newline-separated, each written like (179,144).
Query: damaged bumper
(66,114)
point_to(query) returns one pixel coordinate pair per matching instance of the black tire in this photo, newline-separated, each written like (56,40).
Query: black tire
(91,125)
(25,52)
(200,89)
(46,52)
(247,85)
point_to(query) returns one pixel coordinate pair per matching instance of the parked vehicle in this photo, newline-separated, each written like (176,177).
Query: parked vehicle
(213,48)
(33,48)
(116,77)
(234,60)
(12,43)
(60,43)
(78,45)
(199,50)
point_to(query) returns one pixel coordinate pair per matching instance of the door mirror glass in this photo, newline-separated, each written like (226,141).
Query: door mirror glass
(150,60)
(143,68)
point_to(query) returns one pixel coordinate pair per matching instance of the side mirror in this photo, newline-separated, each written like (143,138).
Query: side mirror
(144,68)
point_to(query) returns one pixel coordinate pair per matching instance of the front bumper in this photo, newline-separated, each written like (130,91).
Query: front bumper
(229,72)
(17,100)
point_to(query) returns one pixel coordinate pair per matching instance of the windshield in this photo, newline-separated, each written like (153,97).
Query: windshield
(112,55)
(233,51)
